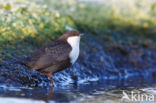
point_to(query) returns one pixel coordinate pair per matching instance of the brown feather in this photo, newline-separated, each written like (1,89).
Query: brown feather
(54,55)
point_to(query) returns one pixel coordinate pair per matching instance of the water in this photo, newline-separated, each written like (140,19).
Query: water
(104,91)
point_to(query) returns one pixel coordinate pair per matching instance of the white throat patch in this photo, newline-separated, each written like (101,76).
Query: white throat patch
(74,42)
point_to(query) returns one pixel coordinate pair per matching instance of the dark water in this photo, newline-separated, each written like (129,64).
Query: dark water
(104,69)
(104,91)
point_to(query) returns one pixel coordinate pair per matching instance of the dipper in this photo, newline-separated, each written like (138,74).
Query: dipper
(55,56)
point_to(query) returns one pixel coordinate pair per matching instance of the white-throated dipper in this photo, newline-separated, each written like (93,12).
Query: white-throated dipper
(55,56)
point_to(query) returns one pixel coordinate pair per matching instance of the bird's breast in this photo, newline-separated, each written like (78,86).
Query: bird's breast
(74,43)
(74,54)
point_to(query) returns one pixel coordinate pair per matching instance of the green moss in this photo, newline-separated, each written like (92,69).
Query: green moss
(26,25)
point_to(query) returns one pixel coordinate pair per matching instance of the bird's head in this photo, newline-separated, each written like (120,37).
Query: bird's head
(71,37)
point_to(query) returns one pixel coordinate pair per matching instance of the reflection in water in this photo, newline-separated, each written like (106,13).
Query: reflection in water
(49,97)
(110,90)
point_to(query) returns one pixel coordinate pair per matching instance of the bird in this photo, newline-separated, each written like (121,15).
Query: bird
(56,55)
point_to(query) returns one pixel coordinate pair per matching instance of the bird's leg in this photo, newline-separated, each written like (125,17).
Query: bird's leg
(51,79)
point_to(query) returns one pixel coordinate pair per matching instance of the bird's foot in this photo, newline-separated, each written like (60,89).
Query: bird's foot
(51,79)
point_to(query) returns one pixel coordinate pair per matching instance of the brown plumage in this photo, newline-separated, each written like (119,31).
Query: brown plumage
(52,57)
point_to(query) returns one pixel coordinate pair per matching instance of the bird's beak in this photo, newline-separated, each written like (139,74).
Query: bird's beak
(81,34)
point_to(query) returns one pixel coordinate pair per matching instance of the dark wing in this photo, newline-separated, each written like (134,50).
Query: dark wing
(49,55)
